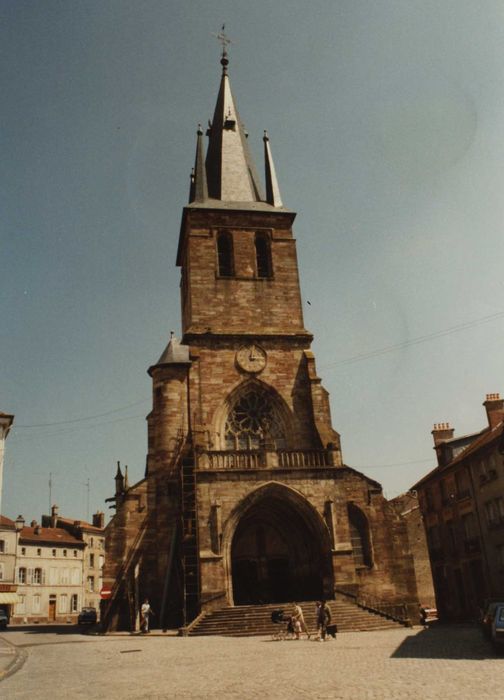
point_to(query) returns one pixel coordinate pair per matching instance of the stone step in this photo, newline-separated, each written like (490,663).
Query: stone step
(251,620)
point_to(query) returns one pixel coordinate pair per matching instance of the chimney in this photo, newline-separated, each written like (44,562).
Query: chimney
(494,406)
(442,432)
(99,519)
(33,523)
(54,516)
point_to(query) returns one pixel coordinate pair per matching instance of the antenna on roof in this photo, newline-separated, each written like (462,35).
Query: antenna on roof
(50,491)
(87,499)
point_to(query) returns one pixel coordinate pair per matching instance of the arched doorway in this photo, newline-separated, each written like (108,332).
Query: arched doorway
(279,551)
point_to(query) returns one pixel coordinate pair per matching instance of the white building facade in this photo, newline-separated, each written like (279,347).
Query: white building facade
(49,576)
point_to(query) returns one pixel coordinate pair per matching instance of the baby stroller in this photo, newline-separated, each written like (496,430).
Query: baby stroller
(278,617)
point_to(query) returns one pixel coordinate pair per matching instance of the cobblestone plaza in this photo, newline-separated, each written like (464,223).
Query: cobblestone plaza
(443,662)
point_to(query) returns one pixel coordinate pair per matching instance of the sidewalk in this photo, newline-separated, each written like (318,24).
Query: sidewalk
(11,658)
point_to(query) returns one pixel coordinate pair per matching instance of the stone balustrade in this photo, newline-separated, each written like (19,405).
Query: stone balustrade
(264,459)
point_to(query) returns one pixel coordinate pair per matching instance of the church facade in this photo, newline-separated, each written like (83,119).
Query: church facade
(246,498)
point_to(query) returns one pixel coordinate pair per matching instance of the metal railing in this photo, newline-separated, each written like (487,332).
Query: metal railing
(392,611)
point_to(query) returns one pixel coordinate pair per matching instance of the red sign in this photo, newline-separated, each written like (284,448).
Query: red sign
(105,593)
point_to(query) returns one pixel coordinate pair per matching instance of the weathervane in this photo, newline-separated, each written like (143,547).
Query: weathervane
(224,40)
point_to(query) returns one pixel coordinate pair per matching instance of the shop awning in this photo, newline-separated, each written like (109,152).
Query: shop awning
(9,598)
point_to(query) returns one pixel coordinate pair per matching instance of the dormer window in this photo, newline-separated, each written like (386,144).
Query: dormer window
(225,254)
(263,256)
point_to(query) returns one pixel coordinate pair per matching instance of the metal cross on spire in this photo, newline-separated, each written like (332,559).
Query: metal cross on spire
(224,40)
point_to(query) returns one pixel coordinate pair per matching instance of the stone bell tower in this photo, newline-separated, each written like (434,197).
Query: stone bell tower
(246,498)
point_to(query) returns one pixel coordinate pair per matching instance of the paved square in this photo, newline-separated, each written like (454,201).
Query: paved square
(439,663)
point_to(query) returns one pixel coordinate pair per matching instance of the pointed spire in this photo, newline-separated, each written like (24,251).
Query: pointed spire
(175,352)
(272,189)
(231,173)
(199,189)
(119,480)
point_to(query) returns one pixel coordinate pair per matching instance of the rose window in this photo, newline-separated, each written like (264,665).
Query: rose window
(252,419)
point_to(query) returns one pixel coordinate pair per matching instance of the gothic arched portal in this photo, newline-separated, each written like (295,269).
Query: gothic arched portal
(280,549)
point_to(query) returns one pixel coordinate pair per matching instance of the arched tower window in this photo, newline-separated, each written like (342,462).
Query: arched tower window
(253,419)
(225,254)
(359,537)
(263,255)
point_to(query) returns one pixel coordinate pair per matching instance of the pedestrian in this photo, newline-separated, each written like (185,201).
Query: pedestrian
(299,621)
(423,615)
(145,612)
(323,619)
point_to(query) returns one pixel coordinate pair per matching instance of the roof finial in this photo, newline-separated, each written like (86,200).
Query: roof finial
(223,38)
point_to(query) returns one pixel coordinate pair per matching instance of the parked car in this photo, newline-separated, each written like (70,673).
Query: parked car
(87,616)
(488,614)
(497,627)
(4,619)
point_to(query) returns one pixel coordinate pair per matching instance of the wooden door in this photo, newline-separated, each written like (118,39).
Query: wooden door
(52,609)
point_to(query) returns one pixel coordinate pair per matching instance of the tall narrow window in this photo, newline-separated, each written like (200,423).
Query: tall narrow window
(359,536)
(225,254)
(263,255)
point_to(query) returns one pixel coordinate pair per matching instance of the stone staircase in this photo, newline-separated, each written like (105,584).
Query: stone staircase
(255,620)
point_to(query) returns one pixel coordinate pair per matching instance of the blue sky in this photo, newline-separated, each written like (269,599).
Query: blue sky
(386,121)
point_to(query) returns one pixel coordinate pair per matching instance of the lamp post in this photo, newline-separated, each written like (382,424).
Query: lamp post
(19,524)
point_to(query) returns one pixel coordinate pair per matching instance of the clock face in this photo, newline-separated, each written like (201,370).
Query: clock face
(251,358)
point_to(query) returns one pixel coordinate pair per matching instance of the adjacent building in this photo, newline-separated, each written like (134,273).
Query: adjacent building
(93,537)
(246,497)
(462,503)
(50,571)
(408,507)
(49,568)
(8,550)
(6,421)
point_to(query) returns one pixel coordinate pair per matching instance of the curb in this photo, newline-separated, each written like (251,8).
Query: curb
(20,656)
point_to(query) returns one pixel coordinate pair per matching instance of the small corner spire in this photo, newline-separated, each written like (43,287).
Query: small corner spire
(199,189)
(272,189)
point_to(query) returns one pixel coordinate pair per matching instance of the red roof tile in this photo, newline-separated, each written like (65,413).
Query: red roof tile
(7,522)
(52,535)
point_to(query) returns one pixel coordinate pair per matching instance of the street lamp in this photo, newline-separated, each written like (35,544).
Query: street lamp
(19,523)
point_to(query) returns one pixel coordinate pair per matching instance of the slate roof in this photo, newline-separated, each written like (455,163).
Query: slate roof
(88,527)
(486,437)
